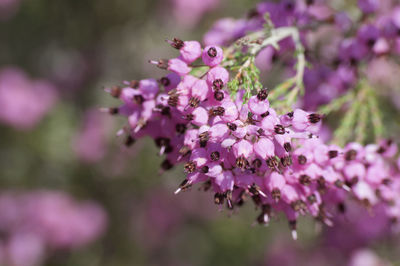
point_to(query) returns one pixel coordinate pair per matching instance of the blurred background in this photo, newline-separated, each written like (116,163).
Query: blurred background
(73,194)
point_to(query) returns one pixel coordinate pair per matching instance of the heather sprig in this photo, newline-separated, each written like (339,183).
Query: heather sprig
(247,73)
(242,141)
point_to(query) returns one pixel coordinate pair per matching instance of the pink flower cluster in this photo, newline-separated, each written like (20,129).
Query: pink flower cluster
(33,222)
(338,45)
(23,101)
(242,150)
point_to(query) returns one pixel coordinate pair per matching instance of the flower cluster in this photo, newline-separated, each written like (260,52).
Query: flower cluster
(338,44)
(33,222)
(246,149)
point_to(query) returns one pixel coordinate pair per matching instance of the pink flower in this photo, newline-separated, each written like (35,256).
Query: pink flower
(24,102)
(212,55)
(178,66)
(189,12)
(190,51)
(8,8)
(43,221)
(90,142)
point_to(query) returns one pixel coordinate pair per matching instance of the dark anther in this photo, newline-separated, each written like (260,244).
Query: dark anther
(350,155)
(177,43)
(134,84)
(253,13)
(212,52)
(254,189)
(228,196)
(241,162)
(302,159)
(185,185)
(272,162)
(138,99)
(260,131)
(218,95)
(206,185)
(232,126)
(293,224)
(173,100)
(265,114)
(276,194)
(185,150)
(256,163)
(286,161)
(219,198)
(371,42)
(352,181)
(298,205)
(381,150)
(204,137)
(169,149)
(113,111)
(257,199)
(162,63)
(166,111)
(262,95)
(165,81)
(321,182)
(162,142)
(194,102)
(218,84)
(386,181)
(189,117)
(190,167)
(339,183)
(305,180)
(290,114)
(279,129)
(180,128)
(333,154)
(166,165)
(287,146)
(314,118)
(312,199)
(289,6)
(260,219)
(341,207)
(217,111)
(204,169)
(115,91)
(214,156)
(129,141)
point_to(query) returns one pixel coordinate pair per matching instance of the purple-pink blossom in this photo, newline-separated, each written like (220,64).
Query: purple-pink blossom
(24,101)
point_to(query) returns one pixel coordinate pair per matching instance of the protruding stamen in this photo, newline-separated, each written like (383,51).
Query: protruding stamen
(162,63)
(176,43)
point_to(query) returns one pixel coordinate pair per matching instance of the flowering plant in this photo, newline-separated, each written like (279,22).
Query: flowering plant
(212,114)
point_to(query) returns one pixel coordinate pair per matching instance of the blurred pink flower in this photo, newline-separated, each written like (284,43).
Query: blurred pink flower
(33,222)
(90,142)
(366,257)
(8,8)
(164,215)
(24,102)
(189,12)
